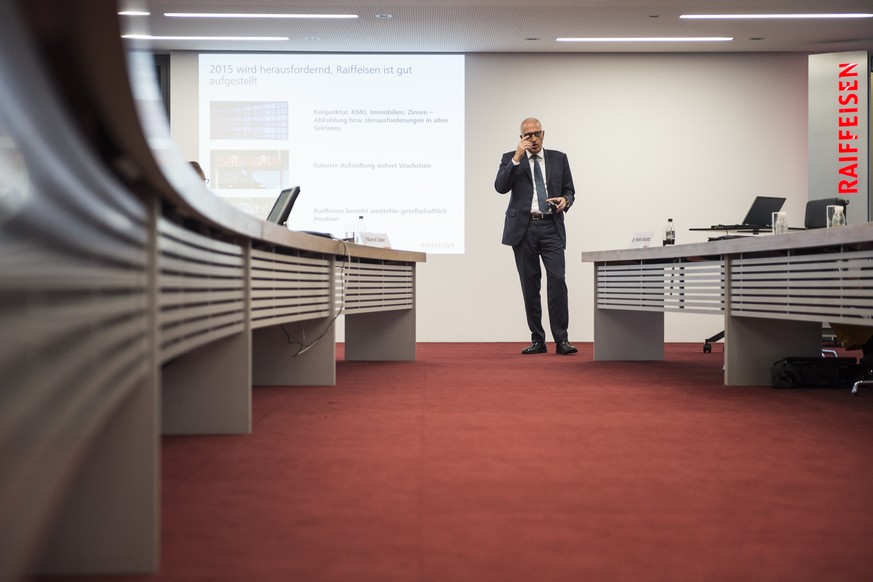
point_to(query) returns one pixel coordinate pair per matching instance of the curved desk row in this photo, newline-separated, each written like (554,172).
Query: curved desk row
(774,292)
(134,303)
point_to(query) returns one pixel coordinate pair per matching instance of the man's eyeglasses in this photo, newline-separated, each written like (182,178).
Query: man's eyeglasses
(531,134)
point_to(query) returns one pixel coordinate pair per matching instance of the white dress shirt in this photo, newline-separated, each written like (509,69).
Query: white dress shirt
(535,203)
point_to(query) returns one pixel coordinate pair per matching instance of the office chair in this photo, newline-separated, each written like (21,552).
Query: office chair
(707,343)
(860,383)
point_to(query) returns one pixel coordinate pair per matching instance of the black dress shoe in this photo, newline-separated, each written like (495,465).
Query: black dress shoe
(565,348)
(536,347)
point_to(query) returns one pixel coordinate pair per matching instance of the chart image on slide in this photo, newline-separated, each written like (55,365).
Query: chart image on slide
(372,137)
(248,120)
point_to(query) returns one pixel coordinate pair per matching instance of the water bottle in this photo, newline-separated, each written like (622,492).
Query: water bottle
(669,233)
(839,217)
(360,228)
(780,226)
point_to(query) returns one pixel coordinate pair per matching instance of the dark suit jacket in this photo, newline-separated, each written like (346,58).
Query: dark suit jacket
(518,180)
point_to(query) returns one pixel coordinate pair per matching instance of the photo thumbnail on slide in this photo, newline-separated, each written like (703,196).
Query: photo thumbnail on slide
(373,136)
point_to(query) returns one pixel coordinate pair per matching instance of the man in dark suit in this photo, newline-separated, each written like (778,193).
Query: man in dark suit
(541,191)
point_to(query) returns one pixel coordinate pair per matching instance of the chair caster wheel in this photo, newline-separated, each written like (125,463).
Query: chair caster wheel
(707,348)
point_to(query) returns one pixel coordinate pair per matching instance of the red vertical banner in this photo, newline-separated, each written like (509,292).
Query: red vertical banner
(839,130)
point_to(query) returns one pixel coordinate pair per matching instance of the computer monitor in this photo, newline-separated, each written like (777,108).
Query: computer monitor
(283,205)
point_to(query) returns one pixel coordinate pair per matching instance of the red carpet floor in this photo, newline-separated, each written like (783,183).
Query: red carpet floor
(475,463)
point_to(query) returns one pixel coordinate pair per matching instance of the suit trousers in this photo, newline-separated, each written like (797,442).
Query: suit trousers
(542,241)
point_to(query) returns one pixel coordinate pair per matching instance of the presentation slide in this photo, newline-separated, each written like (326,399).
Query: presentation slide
(377,139)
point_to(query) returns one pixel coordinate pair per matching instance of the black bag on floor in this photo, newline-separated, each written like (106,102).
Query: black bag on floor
(816,372)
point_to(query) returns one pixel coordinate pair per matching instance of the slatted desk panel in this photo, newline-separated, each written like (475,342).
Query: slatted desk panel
(774,292)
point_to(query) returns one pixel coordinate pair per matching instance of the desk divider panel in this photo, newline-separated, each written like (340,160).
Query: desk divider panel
(631,298)
(79,387)
(667,285)
(379,304)
(293,289)
(375,286)
(831,287)
(74,353)
(779,301)
(289,287)
(203,338)
(201,289)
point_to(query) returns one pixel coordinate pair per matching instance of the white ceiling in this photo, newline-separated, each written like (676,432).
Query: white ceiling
(471,26)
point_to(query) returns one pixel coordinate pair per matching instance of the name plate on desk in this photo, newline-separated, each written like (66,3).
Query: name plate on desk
(375,239)
(642,240)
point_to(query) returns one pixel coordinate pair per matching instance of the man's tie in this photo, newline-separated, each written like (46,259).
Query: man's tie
(541,186)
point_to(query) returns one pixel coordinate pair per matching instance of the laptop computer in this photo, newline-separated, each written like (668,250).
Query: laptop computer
(759,216)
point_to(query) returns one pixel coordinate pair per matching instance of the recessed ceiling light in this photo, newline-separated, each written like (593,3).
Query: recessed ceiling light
(756,16)
(246,38)
(134,13)
(651,39)
(245,15)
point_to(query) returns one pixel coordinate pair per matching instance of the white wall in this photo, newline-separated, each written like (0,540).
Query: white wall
(694,137)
